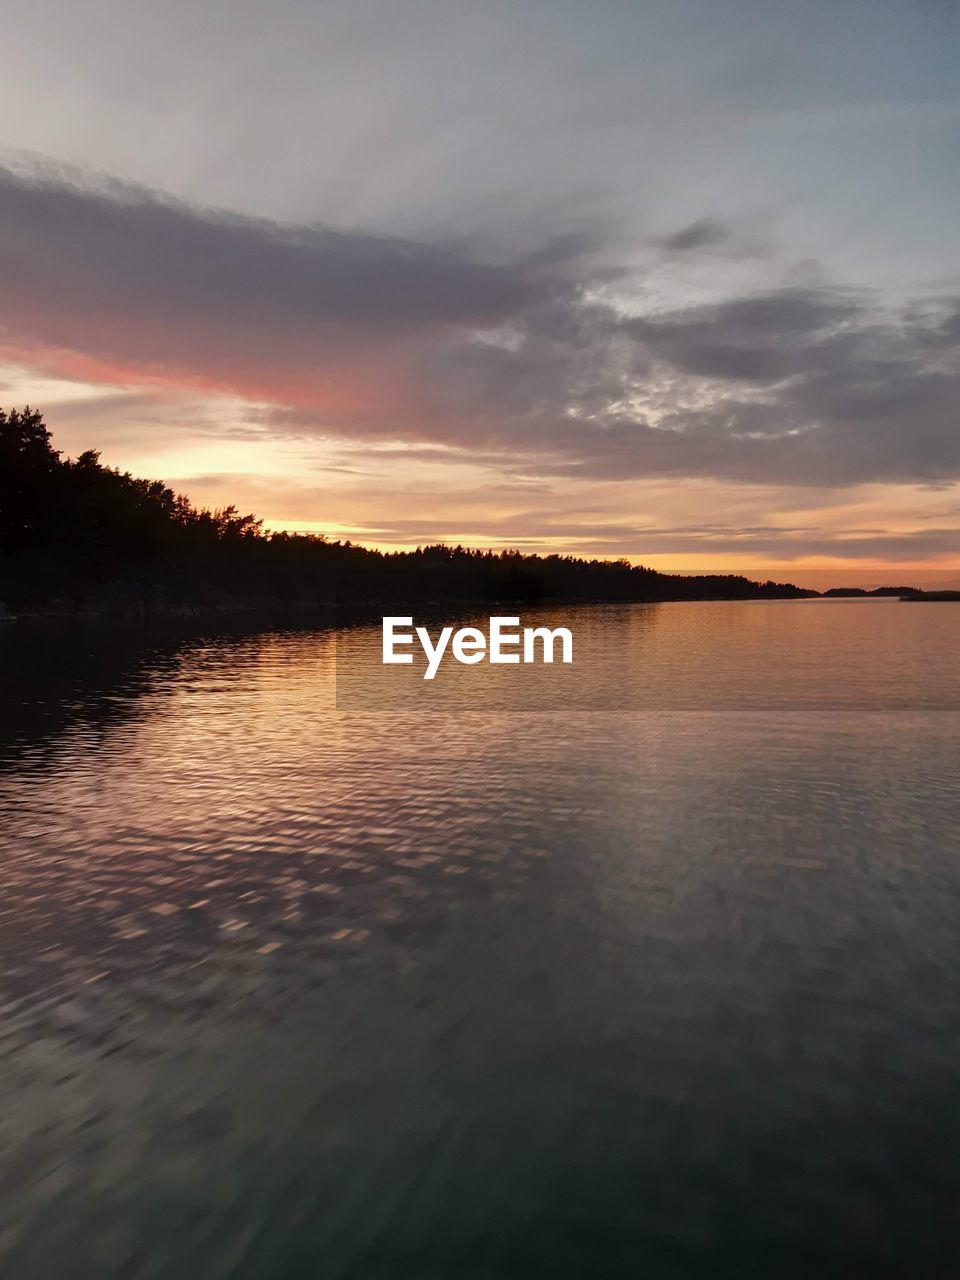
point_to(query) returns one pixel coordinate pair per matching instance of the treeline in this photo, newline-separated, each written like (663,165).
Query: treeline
(898,592)
(75,534)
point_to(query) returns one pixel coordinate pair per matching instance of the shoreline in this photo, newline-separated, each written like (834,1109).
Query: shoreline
(327,612)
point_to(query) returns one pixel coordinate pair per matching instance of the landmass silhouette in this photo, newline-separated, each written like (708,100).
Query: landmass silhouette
(78,536)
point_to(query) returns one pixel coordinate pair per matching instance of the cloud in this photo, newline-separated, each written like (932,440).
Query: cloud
(703,234)
(127,246)
(128,286)
(540,366)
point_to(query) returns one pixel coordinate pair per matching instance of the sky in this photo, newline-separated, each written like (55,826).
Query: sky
(677,281)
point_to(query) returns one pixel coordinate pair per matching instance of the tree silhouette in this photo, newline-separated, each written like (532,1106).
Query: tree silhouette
(30,472)
(78,533)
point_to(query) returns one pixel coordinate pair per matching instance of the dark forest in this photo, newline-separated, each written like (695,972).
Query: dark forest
(76,535)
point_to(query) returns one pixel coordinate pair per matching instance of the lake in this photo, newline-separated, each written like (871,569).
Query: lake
(648,971)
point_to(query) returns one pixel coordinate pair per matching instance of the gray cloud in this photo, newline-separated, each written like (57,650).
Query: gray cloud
(702,234)
(524,366)
(794,386)
(113,266)
(757,339)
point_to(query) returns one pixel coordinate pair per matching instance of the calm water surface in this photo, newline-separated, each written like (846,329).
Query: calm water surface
(656,983)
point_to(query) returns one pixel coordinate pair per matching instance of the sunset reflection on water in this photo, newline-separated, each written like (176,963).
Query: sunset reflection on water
(492,991)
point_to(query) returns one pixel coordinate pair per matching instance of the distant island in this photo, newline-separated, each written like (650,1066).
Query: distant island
(80,537)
